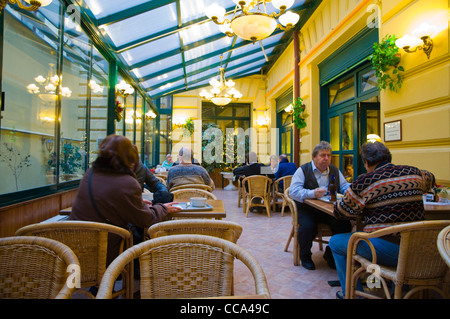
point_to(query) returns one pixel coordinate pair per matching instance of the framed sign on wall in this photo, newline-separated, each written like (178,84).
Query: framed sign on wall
(393,131)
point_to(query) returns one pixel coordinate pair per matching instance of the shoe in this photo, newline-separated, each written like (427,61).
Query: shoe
(340,295)
(308,264)
(328,256)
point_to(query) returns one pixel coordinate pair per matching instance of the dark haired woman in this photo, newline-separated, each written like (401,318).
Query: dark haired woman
(109,192)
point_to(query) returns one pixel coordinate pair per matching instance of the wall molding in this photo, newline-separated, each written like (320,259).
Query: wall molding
(430,143)
(418,106)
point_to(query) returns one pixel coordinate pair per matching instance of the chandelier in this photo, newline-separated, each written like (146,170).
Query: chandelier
(222,92)
(49,86)
(254,25)
(34,4)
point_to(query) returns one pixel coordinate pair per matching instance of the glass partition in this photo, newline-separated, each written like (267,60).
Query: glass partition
(29,83)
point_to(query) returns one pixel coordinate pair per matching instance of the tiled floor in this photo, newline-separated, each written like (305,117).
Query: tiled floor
(265,238)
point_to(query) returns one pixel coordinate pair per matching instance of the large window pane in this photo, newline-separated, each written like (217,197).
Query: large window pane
(99,103)
(342,91)
(347,131)
(334,133)
(74,102)
(28,124)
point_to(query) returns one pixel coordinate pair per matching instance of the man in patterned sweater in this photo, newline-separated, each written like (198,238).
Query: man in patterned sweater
(386,195)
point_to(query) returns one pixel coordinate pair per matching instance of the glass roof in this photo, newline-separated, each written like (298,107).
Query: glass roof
(170,46)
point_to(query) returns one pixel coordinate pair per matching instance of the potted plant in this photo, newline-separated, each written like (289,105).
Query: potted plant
(385,61)
(299,114)
(71,160)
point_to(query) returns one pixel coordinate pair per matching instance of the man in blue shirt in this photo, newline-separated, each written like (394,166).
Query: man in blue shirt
(285,168)
(311,181)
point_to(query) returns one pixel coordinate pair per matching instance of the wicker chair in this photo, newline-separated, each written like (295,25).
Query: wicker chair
(196,186)
(323,230)
(279,193)
(185,266)
(162,180)
(186,193)
(443,244)
(419,263)
(256,186)
(89,241)
(218,228)
(36,268)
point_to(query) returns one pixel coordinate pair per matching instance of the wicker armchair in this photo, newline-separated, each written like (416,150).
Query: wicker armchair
(185,266)
(256,186)
(89,241)
(443,244)
(36,268)
(184,194)
(218,228)
(240,190)
(196,186)
(323,230)
(279,193)
(419,263)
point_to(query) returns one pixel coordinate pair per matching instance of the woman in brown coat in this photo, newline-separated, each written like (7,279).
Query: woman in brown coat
(109,192)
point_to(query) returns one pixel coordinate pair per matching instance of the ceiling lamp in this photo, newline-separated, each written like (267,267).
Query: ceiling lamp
(34,4)
(257,24)
(222,92)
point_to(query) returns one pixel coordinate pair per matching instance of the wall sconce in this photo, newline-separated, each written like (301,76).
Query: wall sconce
(372,138)
(289,109)
(48,142)
(420,40)
(150,115)
(179,121)
(124,89)
(263,121)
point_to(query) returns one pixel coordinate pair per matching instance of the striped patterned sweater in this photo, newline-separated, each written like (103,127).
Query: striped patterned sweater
(391,194)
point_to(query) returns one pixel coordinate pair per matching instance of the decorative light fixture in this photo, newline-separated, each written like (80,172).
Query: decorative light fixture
(124,89)
(179,121)
(263,121)
(420,40)
(372,138)
(223,92)
(289,109)
(34,4)
(48,85)
(150,115)
(253,25)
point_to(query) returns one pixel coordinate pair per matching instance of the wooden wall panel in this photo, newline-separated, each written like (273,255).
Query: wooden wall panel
(34,211)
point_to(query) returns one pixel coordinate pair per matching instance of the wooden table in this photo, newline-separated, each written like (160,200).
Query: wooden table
(218,211)
(437,212)
(432,212)
(328,208)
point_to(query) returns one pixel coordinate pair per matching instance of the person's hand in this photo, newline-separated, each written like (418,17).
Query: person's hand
(171,208)
(148,202)
(320,192)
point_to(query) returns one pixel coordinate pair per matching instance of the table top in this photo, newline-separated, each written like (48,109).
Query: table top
(217,212)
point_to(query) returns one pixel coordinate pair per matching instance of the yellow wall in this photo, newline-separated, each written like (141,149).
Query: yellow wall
(423,103)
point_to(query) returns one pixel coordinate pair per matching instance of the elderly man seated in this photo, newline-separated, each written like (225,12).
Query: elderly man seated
(186,172)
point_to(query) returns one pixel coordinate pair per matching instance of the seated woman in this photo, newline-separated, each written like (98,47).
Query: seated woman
(110,193)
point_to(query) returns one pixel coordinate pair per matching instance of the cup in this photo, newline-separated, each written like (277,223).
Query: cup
(198,201)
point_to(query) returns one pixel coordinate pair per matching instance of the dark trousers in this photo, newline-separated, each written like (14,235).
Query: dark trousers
(308,219)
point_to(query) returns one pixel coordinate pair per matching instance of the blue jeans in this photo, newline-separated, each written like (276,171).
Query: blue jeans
(387,254)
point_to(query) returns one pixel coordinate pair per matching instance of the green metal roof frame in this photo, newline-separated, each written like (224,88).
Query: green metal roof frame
(96,25)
